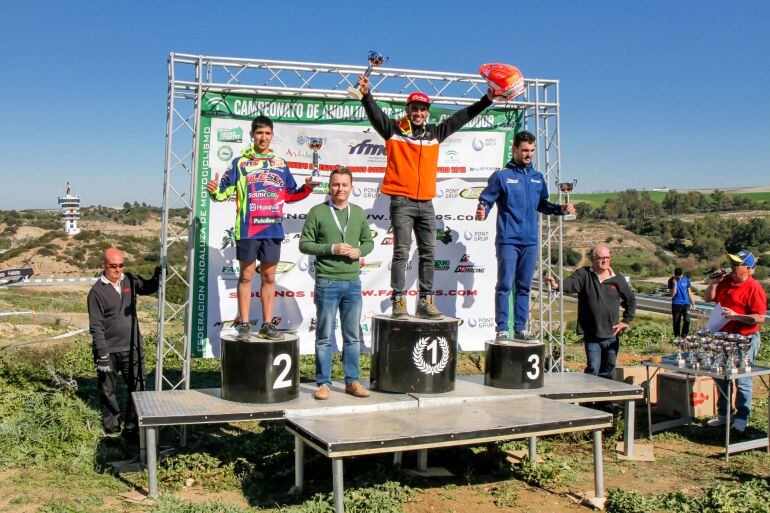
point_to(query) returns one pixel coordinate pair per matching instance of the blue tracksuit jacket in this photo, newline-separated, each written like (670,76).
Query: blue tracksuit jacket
(519,192)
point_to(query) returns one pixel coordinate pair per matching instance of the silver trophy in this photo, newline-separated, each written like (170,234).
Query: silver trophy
(376,59)
(315,143)
(678,344)
(566,188)
(745,346)
(692,354)
(731,366)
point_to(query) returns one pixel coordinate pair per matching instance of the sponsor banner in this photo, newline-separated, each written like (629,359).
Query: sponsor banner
(16,274)
(465,269)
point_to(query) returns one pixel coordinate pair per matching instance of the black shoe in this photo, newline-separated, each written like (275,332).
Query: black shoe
(270,332)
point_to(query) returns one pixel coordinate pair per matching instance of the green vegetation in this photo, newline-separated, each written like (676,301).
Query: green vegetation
(750,497)
(673,202)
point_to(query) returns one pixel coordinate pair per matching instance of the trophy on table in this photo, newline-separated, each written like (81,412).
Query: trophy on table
(315,143)
(679,343)
(566,188)
(376,59)
(745,346)
(731,365)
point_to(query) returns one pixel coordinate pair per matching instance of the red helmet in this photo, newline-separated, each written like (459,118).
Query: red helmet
(419,98)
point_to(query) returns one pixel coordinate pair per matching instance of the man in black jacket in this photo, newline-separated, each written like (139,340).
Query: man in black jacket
(117,342)
(601,293)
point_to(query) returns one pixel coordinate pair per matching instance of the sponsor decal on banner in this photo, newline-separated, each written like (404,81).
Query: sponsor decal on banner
(446,235)
(465,161)
(225,153)
(476,235)
(230,135)
(441,265)
(368,266)
(467,266)
(471,193)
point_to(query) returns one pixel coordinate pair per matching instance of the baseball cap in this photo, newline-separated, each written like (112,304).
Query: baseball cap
(743,257)
(418,97)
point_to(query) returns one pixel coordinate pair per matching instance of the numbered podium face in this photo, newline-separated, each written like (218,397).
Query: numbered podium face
(513,365)
(414,355)
(260,371)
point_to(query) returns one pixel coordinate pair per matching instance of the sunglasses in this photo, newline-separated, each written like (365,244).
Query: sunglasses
(116,266)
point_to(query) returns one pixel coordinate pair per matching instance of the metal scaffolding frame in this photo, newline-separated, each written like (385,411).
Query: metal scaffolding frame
(190,76)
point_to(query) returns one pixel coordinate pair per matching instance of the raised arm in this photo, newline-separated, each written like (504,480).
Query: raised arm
(381,123)
(456,121)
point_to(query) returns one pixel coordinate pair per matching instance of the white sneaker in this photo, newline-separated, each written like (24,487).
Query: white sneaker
(739,425)
(717,421)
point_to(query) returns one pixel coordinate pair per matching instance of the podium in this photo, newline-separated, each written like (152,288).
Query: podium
(512,364)
(414,355)
(259,370)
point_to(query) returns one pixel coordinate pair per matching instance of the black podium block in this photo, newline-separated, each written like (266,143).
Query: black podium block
(414,355)
(513,365)
(260,371)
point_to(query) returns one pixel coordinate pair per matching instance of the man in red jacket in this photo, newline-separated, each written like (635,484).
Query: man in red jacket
(411,146)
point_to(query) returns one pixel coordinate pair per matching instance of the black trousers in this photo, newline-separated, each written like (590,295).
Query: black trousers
(130,366)
(681,315)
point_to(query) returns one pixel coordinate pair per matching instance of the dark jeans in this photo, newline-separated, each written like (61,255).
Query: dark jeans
(681,315)
(131,368)
(407,215)
(515,266)
(601,354)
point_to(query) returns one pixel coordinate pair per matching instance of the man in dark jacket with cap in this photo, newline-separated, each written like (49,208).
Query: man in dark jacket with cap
(117,342)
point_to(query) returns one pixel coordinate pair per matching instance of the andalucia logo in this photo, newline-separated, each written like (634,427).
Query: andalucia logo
(217,104)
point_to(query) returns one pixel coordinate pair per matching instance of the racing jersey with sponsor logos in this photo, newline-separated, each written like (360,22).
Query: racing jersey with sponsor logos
(262,184)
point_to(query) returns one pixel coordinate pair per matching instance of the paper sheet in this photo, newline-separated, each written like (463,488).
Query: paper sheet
(716,320)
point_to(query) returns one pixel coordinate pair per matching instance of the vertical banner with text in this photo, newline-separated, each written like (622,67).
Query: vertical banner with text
(465,256)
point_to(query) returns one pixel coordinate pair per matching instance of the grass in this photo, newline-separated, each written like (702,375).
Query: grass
(598,199)
(54,454)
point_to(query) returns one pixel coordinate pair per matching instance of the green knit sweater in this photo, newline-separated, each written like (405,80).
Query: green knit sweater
(320,233)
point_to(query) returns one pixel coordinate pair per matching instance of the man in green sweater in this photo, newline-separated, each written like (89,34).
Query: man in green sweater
(337,233)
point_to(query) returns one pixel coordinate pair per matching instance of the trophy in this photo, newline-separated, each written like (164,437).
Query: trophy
(376,59)
(720,342)
(745,346)
(678,344)
(731,366)
(566,188)
(315,143)
(692,353)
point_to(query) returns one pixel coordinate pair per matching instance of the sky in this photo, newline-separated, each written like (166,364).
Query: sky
(653,93)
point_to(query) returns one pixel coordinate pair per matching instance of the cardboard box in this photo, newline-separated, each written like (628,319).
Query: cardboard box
(637,375)
(675,389)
